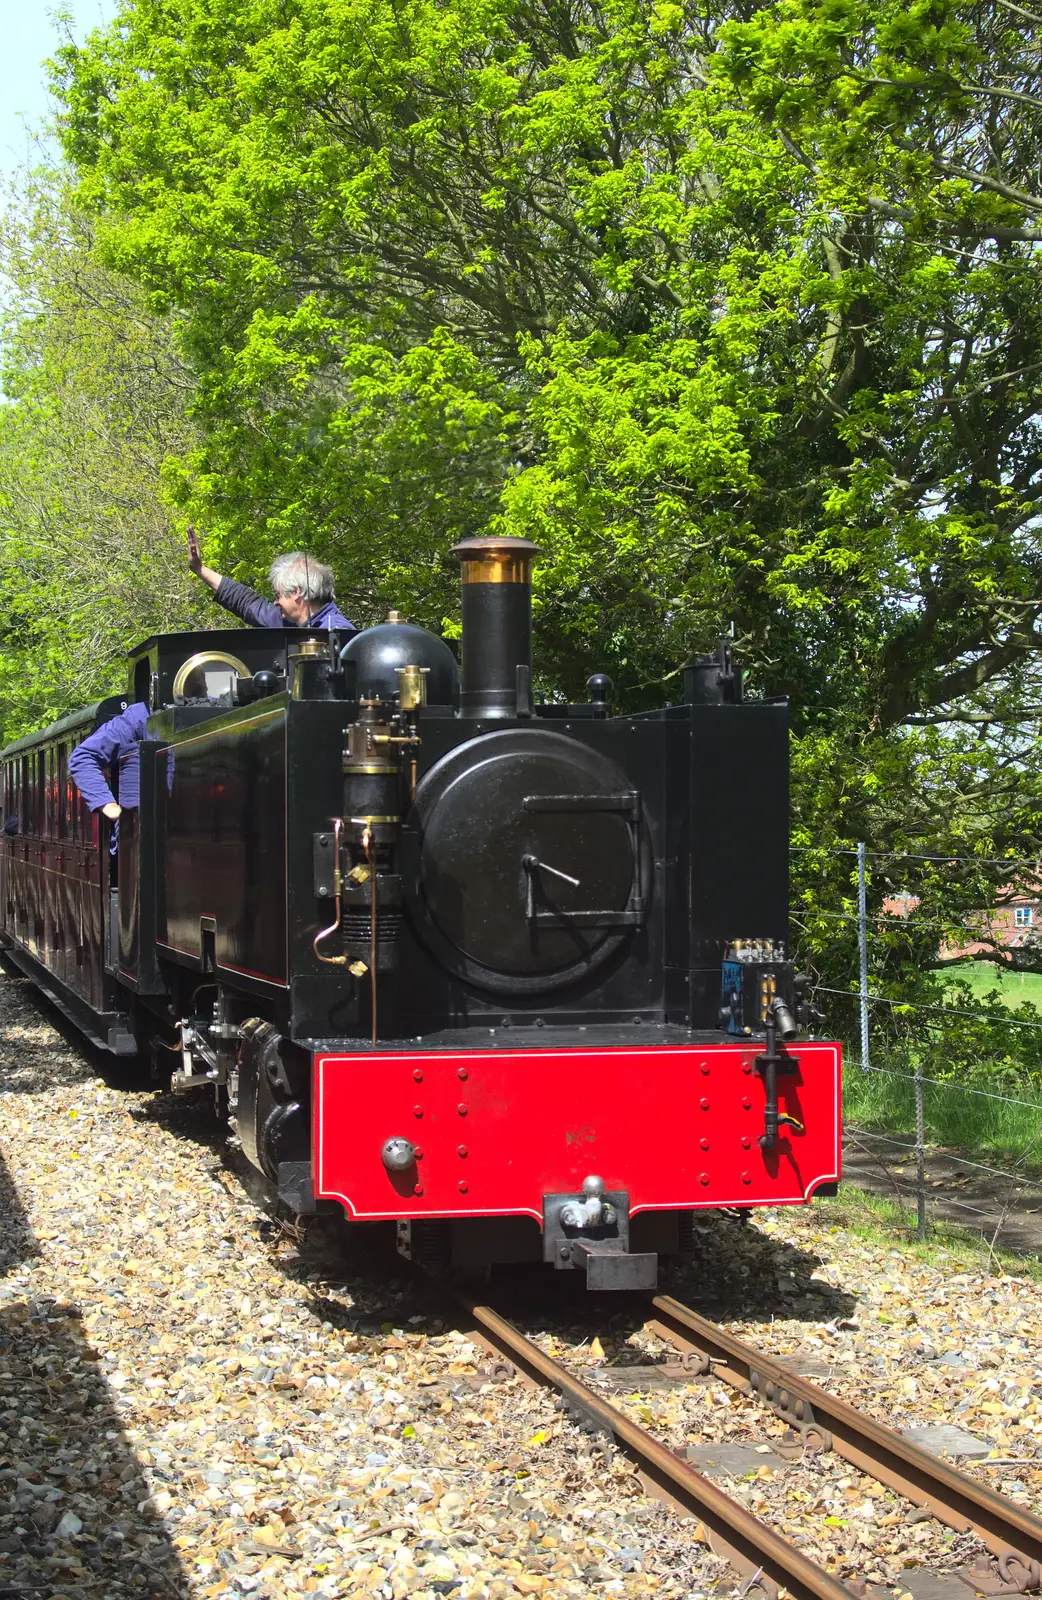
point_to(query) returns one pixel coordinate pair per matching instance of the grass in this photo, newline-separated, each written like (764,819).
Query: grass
(1015,988)
(954,1116)
(882,1222)
(975,1117)
(980,1119)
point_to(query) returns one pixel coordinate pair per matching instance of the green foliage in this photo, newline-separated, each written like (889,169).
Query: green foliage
(750,301)
(957,1116)
(736,311)
(97,401)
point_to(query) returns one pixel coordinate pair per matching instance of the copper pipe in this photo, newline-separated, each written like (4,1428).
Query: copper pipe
(333,961)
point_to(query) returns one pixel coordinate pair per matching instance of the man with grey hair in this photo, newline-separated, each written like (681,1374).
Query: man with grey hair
(303,591)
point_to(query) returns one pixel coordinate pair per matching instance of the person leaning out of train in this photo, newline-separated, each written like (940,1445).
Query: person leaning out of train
(303,590)
(114,744)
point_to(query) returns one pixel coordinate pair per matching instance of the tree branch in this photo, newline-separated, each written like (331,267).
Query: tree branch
(1032,202)
(974,718)
(1031,16)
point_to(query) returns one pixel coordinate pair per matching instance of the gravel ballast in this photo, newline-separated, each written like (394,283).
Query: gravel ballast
(194,1401)
(192,1407)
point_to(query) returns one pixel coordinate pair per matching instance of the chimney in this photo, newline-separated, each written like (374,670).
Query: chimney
(496,580)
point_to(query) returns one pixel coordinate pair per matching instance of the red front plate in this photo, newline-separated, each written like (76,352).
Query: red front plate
(676,1127)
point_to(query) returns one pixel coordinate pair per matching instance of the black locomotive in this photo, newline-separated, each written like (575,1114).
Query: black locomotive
(511,974)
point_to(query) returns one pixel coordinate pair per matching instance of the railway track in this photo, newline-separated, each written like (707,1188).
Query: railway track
(820,1421)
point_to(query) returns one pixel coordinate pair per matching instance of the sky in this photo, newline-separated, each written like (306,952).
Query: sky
(29,33)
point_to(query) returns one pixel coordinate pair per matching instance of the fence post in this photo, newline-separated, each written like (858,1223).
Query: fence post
(920,1153)
(862,950)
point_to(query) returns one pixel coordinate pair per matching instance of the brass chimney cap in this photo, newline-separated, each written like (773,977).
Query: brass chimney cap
(489,545)
(493,559)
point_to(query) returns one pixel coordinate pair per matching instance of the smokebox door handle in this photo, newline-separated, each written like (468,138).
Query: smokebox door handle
(628,804)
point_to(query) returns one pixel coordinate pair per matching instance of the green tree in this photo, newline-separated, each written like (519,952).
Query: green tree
(763,291)
(97,402)
(736,311)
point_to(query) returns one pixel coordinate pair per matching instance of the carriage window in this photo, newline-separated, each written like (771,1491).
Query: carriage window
(53,795)
(62,788)
(39,814)
(28,794)
(86,828)
(71,807)
(54,791)
(47,785)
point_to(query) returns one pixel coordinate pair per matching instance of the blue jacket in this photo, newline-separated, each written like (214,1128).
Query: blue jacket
(261,613)
(115,741)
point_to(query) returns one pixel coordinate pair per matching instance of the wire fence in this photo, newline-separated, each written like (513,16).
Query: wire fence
(913,1133)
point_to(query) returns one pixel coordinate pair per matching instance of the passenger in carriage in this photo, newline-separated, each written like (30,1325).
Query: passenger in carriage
(116,743)
(303,590)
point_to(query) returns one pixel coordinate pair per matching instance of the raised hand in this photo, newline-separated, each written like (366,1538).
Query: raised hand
(195,560)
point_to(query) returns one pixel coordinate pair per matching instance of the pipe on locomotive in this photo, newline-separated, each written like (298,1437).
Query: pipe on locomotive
(496,594)
(338,890)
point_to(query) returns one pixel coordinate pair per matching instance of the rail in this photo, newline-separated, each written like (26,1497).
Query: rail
(1012,1534)
(756,1551)
(753,1549)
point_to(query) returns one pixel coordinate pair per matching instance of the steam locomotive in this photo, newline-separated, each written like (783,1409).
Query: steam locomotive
(508,974)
